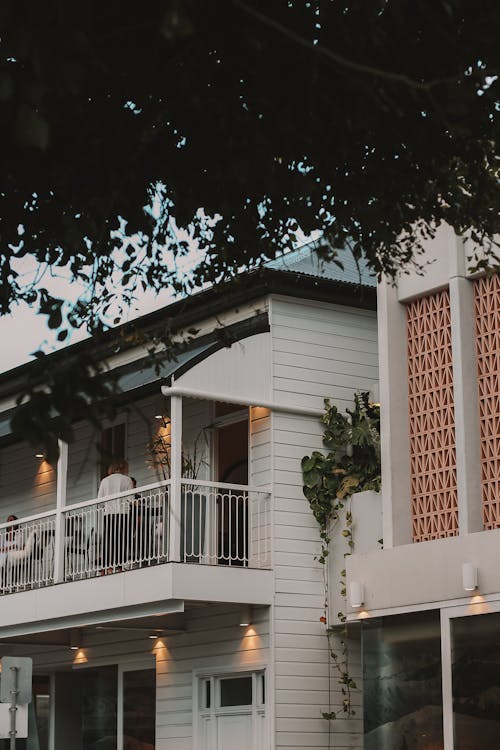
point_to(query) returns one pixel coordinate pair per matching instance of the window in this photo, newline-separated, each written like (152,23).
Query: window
(236,691)
(232,708)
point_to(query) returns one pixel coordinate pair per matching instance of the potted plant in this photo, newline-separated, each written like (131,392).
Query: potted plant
(194,503)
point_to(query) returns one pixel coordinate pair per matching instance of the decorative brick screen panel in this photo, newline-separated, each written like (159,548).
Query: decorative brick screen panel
(432,418)
(487,312)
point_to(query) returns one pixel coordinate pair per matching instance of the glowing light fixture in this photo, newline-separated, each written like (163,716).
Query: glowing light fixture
(75,639)
(356,594)
(469,576)
(245,616)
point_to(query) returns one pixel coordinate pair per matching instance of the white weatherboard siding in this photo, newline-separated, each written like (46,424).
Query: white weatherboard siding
(212,642)
(260,447)
(141,428)
(319,351)
(237,371)
(27,484)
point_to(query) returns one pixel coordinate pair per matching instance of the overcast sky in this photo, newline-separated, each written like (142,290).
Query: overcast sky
(23,332)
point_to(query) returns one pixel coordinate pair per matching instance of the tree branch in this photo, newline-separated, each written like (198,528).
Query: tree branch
(340,59)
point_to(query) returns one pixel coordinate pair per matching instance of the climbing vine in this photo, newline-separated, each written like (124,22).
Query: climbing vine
(352,464)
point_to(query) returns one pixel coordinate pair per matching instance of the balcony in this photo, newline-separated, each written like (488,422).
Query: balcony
(187,521)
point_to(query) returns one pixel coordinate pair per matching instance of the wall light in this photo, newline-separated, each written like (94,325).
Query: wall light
(469,576)
(245,616)
(39,454)
(356,594)
(75,639)
(374,394)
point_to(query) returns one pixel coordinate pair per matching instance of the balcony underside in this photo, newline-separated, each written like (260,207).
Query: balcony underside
(156,590)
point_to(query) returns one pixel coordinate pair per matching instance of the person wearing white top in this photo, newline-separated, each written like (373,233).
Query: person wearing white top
(115,516)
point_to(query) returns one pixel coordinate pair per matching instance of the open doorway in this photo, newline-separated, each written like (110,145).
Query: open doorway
(231,445)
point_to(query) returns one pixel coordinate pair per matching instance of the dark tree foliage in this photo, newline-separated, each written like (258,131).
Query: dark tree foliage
(373,120)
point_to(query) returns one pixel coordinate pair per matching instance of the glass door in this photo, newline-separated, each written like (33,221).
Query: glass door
(137,708)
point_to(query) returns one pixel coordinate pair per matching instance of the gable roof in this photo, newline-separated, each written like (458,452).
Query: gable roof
(305,260)
(299,273)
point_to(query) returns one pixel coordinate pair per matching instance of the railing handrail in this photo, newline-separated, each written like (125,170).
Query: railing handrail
(225,486)
(125,493)
(27,519)
(264,490)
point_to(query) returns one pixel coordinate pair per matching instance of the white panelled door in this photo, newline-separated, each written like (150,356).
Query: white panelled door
(232,712)
(235,732)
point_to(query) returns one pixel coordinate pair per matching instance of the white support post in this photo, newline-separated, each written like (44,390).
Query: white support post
(175,478)
(62,479)
(465,393)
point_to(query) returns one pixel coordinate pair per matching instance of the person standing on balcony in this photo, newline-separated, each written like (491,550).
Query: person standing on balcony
(115,516)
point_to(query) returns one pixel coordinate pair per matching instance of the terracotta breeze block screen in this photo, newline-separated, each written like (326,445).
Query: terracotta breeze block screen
(432,418)
(487,311)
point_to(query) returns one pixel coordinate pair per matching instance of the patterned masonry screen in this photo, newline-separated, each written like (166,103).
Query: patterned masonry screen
(487,311)
(432,418)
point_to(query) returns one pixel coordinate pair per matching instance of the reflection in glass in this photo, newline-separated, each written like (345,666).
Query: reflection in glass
(236,691)
(402,696)
(99,718)
(139,708)
(41,701)
(476,681)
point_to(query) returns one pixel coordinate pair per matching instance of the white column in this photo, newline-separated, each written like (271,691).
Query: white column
(466,406)
(175,478)
(62,478)
(394,429)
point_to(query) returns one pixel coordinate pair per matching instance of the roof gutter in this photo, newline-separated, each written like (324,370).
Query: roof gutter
(177,390)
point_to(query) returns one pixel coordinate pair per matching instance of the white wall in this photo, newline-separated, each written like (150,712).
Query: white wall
(427,573)
(260,447)
(319,351)
(27,484)
(141,427)
(239,371)
(212,640)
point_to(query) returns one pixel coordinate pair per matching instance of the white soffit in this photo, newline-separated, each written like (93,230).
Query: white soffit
(242,370)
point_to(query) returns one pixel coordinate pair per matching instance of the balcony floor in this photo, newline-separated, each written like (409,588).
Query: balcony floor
(135,593)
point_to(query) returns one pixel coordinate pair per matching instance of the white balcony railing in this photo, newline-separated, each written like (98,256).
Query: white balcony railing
(224,524)
(213,524)
(121,532)
(27,553)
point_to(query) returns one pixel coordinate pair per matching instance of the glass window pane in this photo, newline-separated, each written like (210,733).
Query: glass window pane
(402,697)
(139,708)
(476,681)
(208,696)
(41,702)
(236,691)
(99,689)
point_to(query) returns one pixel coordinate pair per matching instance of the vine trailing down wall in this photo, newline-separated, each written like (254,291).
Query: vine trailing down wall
(352,464)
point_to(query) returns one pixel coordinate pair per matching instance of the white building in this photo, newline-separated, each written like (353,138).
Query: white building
(202,630)
(431,597)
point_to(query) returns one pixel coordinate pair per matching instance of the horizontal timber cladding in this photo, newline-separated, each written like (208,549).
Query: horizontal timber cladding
(141,429)
(212,641)
(487,315)
(431,418)
(320,351)
(27,483)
